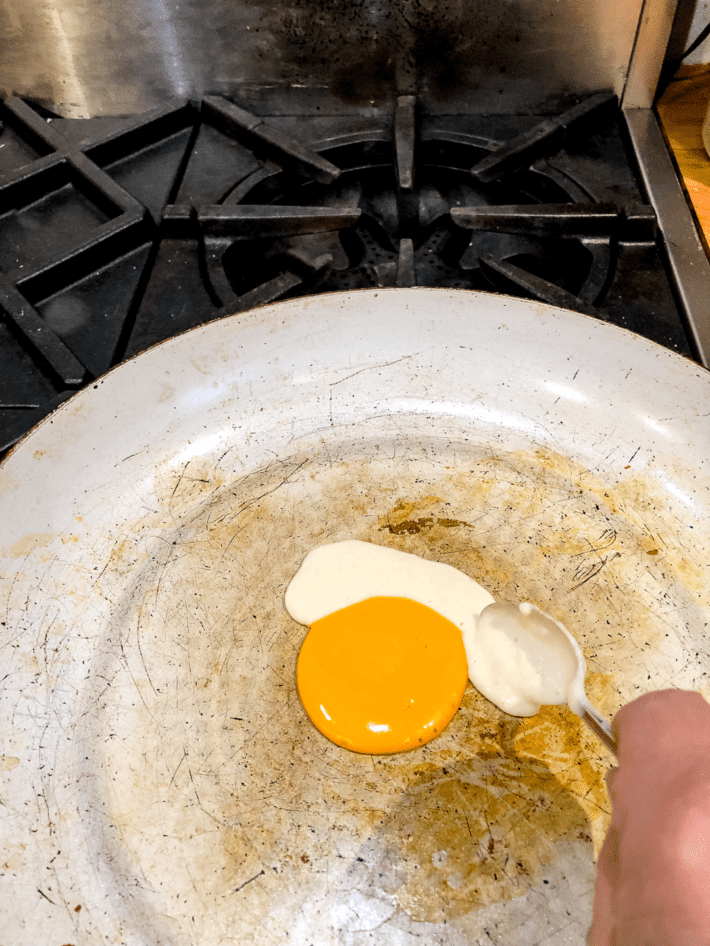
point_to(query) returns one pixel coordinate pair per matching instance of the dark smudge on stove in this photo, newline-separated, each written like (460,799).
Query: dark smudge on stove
(372,50)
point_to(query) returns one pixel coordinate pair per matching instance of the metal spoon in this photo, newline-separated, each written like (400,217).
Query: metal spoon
(522,658)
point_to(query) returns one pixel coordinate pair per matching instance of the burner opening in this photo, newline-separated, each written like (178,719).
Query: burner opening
(567,265)
(250,263)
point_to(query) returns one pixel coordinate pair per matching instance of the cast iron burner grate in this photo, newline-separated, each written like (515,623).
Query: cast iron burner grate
(118,233)
(422,235)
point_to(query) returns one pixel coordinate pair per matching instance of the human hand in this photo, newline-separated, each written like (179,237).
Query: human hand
(653,875)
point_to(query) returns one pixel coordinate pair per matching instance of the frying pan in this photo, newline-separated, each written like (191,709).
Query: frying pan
(159,781)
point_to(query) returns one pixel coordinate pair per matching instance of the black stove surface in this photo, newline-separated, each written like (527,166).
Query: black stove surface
(118,233)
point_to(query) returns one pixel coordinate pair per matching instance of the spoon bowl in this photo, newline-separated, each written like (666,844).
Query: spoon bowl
(522,659)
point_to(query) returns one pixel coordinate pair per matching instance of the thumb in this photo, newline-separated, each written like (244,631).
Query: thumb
(602,931)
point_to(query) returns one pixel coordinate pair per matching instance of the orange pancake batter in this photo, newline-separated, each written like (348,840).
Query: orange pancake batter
(383,675)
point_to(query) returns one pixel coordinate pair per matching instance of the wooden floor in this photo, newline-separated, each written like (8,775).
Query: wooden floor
(682,109)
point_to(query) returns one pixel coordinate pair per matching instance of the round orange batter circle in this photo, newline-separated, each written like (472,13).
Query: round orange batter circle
(383,675)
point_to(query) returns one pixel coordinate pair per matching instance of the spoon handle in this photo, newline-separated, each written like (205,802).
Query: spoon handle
(599,726)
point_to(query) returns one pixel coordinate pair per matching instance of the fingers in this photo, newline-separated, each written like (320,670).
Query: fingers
(653,874)
(601,933)
(664,723)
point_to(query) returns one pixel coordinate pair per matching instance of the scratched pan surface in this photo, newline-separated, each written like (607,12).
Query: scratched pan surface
(159,782)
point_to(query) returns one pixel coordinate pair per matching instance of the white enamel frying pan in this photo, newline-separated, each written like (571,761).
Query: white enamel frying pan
(159,781)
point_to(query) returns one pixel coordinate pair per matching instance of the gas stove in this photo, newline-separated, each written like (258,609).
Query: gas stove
(116,234)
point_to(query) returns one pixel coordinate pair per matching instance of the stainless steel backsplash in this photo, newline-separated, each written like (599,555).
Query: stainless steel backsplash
(91,57)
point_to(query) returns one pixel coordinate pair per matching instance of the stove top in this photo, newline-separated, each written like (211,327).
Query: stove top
(118,233)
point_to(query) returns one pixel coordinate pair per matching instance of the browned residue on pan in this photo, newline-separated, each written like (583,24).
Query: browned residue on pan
(483,826)
(253,797)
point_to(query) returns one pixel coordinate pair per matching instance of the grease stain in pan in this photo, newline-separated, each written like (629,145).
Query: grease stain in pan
(493,818)
(208,759)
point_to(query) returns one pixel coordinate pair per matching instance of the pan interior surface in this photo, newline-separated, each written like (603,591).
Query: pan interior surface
(162,780)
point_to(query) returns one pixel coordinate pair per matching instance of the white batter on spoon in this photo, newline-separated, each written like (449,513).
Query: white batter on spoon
(521,659)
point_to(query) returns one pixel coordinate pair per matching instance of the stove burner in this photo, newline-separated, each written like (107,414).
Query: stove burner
(116,233)
(66,193)
(374,224)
